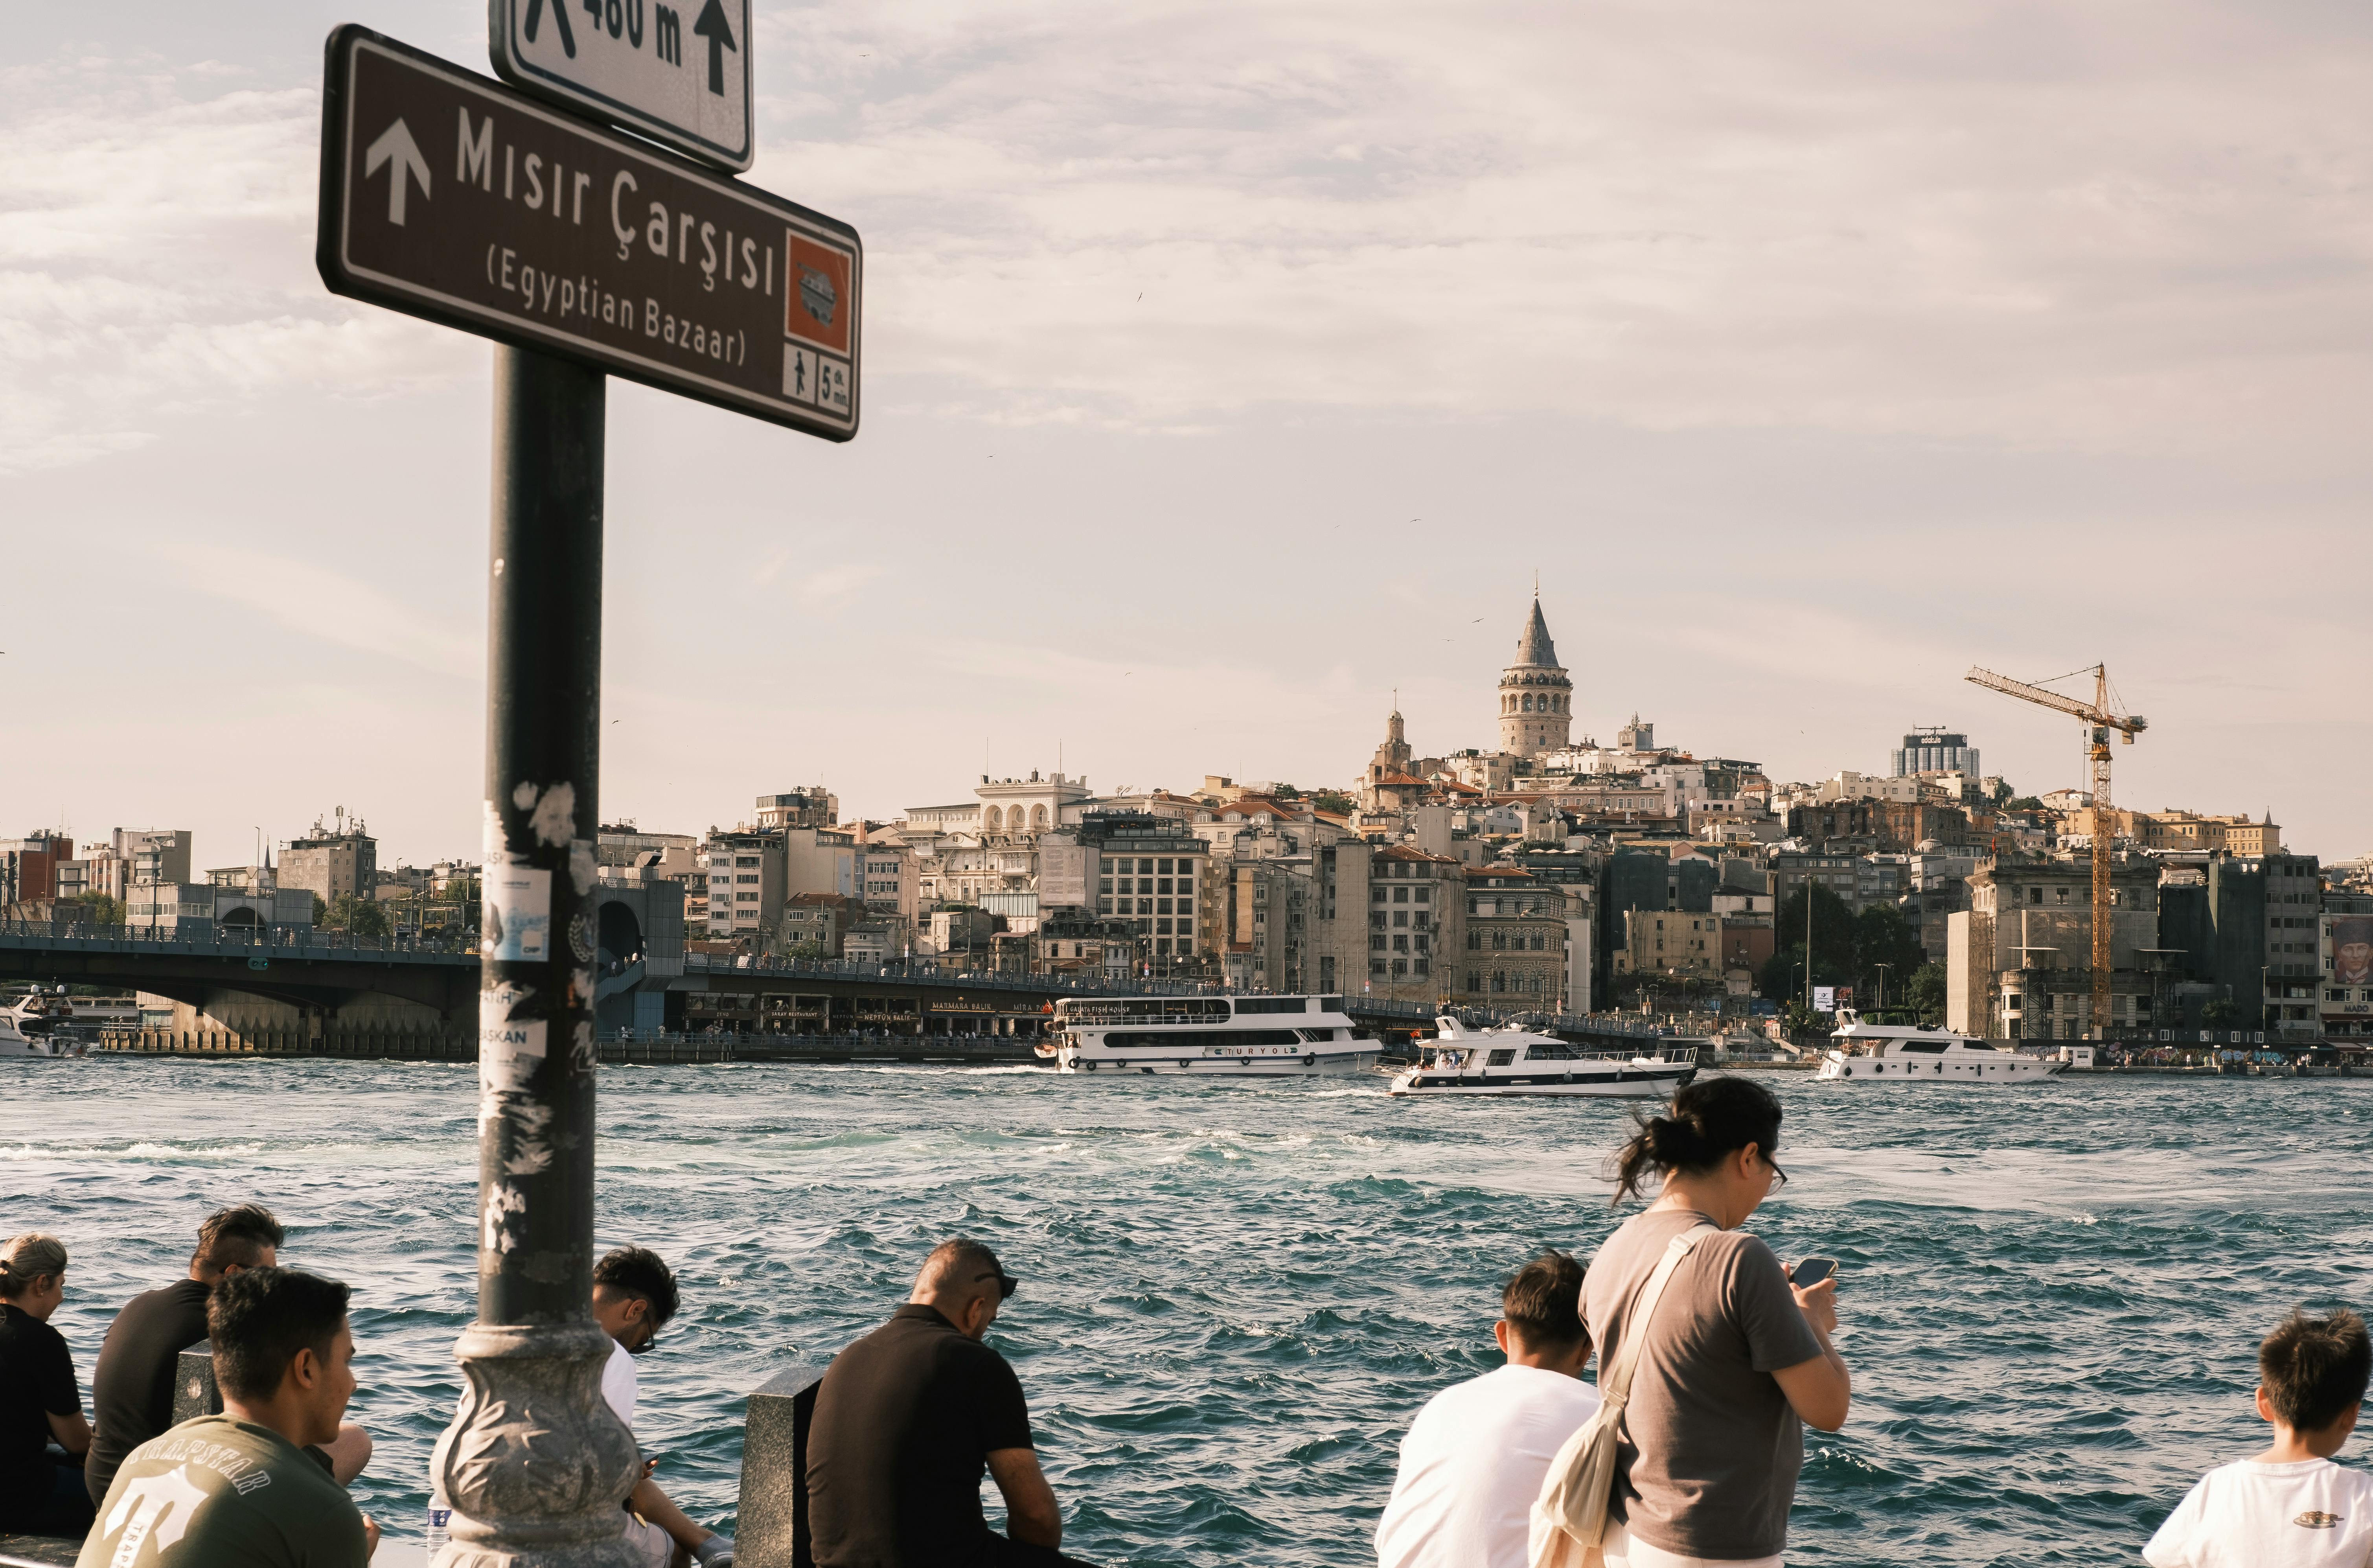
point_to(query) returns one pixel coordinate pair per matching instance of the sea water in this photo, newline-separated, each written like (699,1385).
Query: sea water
(1234,1296)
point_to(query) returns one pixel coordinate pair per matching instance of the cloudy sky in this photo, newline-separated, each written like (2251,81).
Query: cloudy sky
(1232,366)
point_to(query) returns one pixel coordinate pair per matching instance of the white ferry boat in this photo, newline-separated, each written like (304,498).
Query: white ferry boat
(1901,1053)
(1209,1036)
(1509,1061)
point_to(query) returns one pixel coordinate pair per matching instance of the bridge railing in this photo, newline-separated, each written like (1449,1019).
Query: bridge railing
(295,941)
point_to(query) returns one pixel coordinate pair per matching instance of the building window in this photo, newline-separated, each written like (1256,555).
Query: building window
(1376,943)
(1376,968)
(1400,895)
(1421,966)
(1376,893)
(1400,944)
(1473,944)
(1161,928)
(1400,965)
(1498,979)
(1401,917)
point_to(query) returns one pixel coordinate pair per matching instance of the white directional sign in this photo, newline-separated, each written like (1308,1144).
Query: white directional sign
(679,74)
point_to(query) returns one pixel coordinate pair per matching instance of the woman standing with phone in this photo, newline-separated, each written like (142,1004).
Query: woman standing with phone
(1732,1360)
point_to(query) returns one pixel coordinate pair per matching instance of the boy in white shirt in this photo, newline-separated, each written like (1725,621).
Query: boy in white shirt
(2291,1506)
(1473,1460)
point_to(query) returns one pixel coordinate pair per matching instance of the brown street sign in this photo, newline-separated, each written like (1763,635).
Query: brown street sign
(452,197)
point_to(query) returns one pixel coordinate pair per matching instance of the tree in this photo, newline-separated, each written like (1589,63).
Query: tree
(2220,1015)
(99,909)
(2022,804)
(1926,992)
(1881,935)
(1833,943)
(1334,801)
(360,916)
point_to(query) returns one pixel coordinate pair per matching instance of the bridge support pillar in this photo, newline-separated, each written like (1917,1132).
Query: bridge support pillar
(536,1464)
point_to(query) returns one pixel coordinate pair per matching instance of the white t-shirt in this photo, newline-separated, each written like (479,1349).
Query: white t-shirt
(618,1384)
(1471,1465)
(2313,1513)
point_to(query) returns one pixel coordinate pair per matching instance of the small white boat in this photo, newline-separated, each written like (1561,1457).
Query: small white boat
(1210,1036)
(1509,1061)
(15,1042)
(1901,1053)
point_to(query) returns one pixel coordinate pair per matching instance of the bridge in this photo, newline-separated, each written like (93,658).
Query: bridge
(310,991)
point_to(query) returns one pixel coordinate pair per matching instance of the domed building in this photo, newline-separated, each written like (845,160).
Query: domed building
(1536,697)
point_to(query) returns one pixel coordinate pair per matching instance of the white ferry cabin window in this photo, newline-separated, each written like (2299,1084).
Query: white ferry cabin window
(1502,1058)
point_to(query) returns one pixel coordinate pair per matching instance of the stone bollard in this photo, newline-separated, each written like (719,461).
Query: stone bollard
(194,1392)
(771,1524)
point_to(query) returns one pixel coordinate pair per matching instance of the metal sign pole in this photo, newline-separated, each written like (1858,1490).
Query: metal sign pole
(536,1464)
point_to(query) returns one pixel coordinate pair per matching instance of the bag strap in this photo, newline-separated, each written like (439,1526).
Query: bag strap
(1615,1382)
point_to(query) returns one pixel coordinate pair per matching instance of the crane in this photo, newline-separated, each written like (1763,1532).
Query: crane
(2098,719)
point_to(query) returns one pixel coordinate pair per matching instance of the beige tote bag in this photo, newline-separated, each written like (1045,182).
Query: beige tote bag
(1569,1515)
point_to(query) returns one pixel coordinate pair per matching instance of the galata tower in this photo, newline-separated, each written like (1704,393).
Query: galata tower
(1536,698)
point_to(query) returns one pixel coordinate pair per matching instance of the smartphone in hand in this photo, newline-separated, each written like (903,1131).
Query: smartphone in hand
(1811,1272)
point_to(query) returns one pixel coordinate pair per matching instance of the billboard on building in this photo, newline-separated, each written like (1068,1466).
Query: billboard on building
(1825,998)
(2351,950)
(1066,875)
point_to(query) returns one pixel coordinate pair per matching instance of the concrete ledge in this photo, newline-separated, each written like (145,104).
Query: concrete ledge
(38,1551)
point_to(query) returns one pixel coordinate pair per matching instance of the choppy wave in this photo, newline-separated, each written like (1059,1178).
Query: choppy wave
(1236,1296)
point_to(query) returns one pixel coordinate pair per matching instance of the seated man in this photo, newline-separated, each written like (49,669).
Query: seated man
(40,1401)
(634,1295)
(1475,1458)
(242,1486)
(132,1387)
(907,1420)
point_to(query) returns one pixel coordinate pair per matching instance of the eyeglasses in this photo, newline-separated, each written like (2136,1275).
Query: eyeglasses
(1006,1284)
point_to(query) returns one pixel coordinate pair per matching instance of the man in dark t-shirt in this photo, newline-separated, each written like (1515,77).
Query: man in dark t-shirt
(909,1418)
(132,1387)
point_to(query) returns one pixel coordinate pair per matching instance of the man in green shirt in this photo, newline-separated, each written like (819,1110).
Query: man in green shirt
(239,1490)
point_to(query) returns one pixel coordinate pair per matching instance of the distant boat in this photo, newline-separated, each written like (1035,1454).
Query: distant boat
(1464,1063)
(1898,1053)
(1210,1036)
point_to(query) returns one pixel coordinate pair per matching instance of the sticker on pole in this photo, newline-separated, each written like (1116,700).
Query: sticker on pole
(516,925)
(677,74)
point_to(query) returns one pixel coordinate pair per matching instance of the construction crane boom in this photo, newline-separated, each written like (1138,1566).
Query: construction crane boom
(2098,719)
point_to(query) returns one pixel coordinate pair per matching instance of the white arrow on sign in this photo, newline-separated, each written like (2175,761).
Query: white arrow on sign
(395,143)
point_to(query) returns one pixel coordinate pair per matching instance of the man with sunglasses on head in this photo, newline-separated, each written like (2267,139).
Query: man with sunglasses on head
(907,1420)
(634,1295)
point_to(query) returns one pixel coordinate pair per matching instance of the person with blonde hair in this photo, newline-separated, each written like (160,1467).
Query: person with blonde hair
(41,1403)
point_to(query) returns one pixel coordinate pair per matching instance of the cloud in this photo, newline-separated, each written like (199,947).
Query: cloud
(834,585)
(328,605)
(156,254)
(2125,227)
(2129,226)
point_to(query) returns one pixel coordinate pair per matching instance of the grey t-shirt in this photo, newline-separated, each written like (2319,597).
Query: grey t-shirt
(220,1493)
(1710,1448)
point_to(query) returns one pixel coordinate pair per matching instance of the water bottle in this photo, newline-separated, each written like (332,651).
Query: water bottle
(438,1519)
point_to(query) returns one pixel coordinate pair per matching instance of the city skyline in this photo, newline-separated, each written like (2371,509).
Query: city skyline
(1809,362)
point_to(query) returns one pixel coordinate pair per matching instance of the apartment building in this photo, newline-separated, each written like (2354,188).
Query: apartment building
(743,889)
(1514,952)
(814,806)
(331,862)
(2019,960)
(1149,870)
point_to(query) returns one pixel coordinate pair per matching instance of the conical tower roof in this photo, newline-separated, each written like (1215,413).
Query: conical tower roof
(1534,647)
